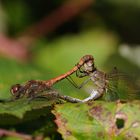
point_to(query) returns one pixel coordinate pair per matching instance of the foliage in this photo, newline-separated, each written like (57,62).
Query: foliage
(20,114)
(98,31)
(98,120)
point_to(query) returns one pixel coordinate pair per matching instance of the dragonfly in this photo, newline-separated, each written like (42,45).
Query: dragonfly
(35,88)
(106,84)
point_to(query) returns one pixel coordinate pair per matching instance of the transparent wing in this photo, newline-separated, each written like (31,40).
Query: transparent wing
(111,93)
(122,86)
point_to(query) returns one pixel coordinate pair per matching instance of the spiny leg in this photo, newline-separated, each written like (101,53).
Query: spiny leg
(69,99)
(53,94)
(78,86)
(80,73)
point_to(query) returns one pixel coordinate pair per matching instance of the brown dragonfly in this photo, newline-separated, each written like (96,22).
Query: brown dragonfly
(106,84)
(36,88)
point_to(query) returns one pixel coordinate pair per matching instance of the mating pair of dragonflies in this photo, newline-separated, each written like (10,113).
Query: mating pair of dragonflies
(84,68)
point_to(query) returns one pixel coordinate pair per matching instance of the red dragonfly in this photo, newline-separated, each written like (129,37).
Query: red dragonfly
(33,88)
(106,84)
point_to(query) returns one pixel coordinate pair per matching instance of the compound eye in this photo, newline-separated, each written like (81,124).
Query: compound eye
(14,89)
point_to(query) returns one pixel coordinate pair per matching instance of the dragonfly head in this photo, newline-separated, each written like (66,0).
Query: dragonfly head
(15,90)
(89,67)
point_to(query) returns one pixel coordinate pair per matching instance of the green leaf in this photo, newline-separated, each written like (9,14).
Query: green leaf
(14,111)
(98,120)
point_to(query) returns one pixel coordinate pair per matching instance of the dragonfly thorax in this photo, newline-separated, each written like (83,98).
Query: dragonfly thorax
(99,79)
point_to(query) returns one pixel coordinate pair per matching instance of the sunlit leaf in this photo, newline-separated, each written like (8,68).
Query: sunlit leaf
(99,120)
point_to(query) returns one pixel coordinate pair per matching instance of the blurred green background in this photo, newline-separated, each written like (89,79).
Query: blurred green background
(43,39)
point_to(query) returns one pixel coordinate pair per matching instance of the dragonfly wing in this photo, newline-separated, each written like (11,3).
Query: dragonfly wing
(112,88)
(125,86)
(111,92)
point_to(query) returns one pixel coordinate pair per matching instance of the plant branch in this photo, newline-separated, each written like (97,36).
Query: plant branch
(4,132)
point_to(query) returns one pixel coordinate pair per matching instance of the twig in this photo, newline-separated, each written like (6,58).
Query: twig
(4,132)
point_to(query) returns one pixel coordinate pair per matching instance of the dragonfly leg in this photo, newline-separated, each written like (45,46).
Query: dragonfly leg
(84,83)
(78,86)
(80,74)
(69,99)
